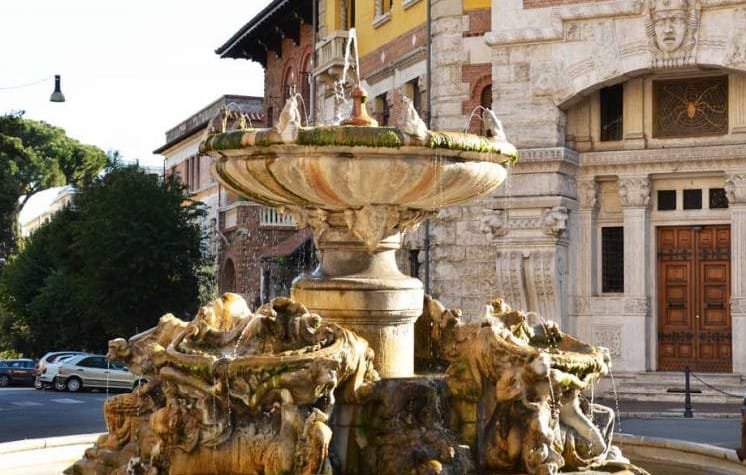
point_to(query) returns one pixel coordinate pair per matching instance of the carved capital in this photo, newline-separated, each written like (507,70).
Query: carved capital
(494,223)
(554,221)
(587,194)
(634,191)
(735,188)
(738,305)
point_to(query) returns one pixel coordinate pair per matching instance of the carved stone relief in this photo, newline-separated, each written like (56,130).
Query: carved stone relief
(636,305)
(554,221)
(735,188)
(634,191)
(672,27)
(494,223)
(610,337)
(738,305)
(588,194)
(736,53)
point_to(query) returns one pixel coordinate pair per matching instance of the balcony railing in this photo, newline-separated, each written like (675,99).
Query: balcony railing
(330,57)
(271,217)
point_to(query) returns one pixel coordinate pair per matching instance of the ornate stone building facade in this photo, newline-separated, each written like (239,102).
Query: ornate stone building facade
(625,217)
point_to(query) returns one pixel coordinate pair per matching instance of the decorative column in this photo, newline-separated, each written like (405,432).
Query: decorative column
(634,194)
(585,245)
(735,187)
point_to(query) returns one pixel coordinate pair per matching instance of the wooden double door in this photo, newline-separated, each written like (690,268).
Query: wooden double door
(694,324)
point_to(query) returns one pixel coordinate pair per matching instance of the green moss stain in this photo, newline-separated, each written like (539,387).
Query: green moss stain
(468,143)
(351,136)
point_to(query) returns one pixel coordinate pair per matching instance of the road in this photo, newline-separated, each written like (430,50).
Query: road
(29,414)
(26,413)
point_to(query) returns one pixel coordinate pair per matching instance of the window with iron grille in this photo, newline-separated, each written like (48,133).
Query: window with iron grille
(612,259)
(612,106)
(718,198)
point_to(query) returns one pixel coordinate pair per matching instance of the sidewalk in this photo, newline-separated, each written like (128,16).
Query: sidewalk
(649,409)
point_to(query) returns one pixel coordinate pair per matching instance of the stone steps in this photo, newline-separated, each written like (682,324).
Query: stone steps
(669,387)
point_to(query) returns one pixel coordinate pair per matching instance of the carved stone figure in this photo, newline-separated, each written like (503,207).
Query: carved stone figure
(554,221)
(493,127)
(290,121)
(494,223)
(516,383)
(410,122)
(672,27)
(231,392)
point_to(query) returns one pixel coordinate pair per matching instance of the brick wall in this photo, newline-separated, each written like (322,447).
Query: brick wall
(478,76)
(278,71)
(246,241)
(551,3)
(480,22)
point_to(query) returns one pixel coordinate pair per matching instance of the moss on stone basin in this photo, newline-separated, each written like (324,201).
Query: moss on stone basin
(357,136)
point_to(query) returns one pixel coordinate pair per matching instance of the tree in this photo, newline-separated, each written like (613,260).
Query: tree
(34,156)
(125,253)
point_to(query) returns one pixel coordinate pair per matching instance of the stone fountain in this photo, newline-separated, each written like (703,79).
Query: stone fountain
(323,382)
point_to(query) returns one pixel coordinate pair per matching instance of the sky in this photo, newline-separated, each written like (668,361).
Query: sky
(130,69)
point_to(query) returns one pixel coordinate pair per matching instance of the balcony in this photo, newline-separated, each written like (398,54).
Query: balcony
(270,217)
(330,57)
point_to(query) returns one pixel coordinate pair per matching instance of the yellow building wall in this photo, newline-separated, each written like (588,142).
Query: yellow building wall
(370,38)
(477,4)
(400,22)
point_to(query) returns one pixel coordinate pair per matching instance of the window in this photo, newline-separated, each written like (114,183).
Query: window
(611,112)
(690,107)
(666,200)
(485,100)
(612,259)
(692,199)
(382,105)
(718,198)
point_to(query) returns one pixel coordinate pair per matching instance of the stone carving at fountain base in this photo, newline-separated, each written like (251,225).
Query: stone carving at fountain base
(231,392)
(516,391)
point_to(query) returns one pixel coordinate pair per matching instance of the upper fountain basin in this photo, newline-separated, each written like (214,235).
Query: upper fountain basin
(344,167)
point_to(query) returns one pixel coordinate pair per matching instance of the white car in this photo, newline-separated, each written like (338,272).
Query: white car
(49,373)
(94,371)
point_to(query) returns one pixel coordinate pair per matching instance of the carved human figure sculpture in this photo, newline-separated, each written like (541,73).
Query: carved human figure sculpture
(670,18)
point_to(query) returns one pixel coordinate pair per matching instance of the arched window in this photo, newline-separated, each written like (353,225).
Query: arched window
(288,83)
(305,87)
(228,277)
(485,100)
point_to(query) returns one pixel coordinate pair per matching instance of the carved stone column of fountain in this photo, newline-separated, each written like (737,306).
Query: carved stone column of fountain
(359,285)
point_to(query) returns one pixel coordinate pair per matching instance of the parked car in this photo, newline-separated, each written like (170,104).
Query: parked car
(19,371)
(47,377)
(93,371)
(51,357)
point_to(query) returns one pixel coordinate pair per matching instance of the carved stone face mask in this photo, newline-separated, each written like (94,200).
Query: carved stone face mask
(670,18)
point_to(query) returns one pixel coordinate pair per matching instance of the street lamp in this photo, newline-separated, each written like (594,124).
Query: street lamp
(57,95)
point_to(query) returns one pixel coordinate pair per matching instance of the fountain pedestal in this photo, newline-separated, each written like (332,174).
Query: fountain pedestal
(364,291)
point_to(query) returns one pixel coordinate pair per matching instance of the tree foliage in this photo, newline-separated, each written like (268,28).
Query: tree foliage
(34,156)
(126,252)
